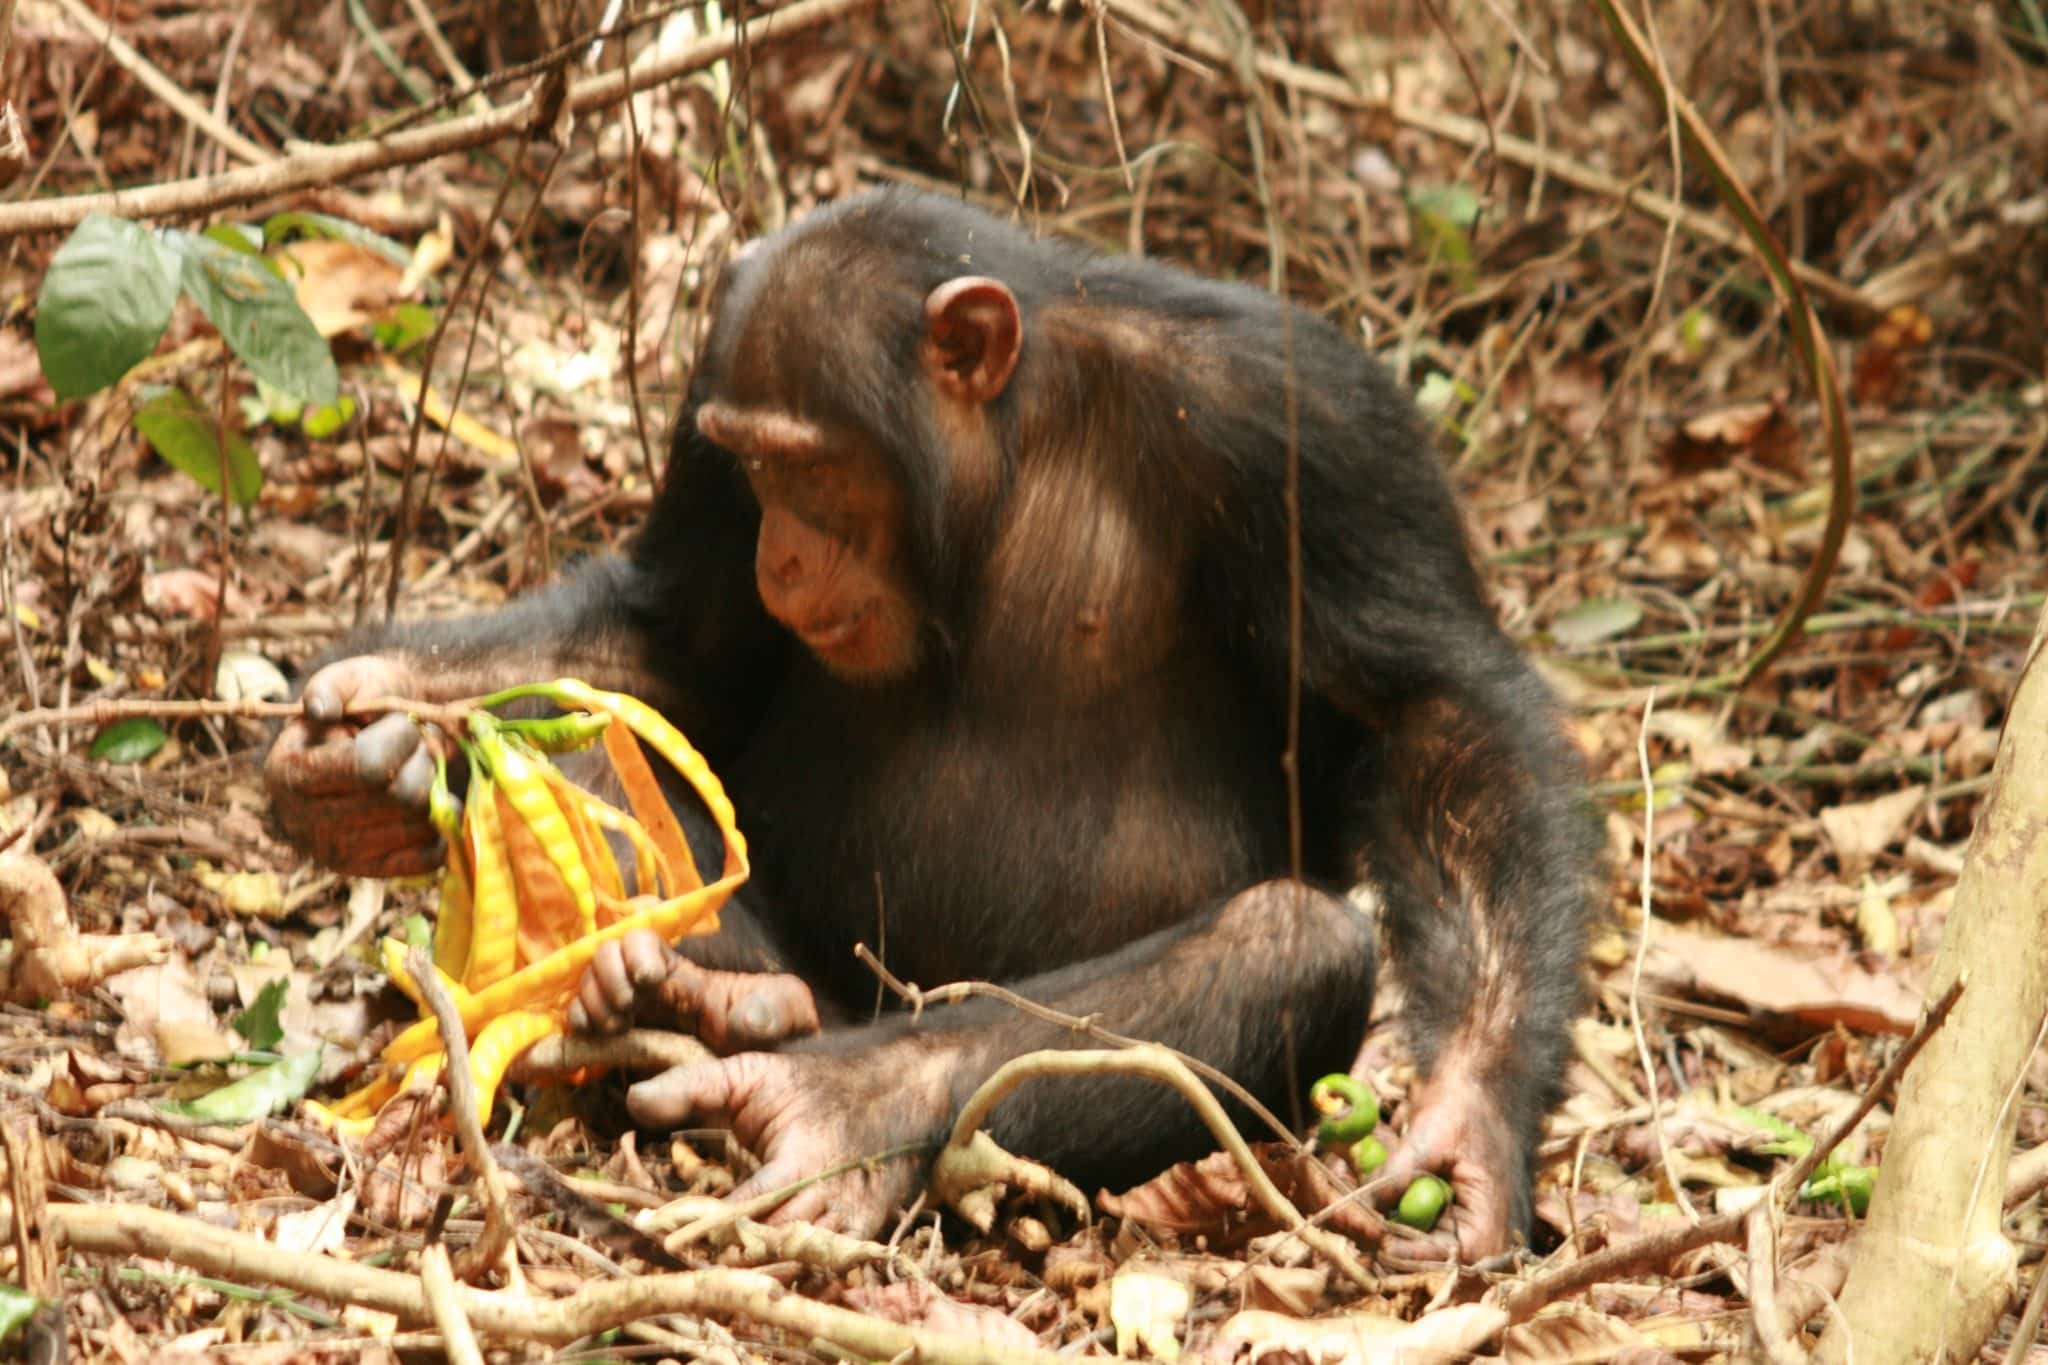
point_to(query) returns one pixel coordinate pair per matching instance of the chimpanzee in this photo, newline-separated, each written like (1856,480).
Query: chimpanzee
(970,574)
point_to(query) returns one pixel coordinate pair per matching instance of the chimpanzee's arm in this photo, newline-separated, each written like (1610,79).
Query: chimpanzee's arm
(674,619)
(1475,831)
(1465,806)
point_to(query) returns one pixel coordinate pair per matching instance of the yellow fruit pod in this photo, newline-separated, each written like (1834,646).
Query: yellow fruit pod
(494,898)
(356,1128)
(392,953)
(522,785)
(546,985)
(453,921)
(498,1044)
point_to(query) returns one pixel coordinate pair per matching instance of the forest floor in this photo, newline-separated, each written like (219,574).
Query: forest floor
(1480,195)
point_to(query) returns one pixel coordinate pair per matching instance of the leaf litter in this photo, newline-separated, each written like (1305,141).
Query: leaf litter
(1643,485)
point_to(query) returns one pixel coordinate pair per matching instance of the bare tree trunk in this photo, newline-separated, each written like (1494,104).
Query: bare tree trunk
(1933,1270)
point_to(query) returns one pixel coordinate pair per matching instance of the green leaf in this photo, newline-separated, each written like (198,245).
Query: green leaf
(280,226)
(323,422)
(1789,1140)
(408,325)
(419,932)
(1456,205)
(1441,395)
(1594,620)
(260,1024)
(257,1095)
(259,318)
(1851,1185)
(237,237)
(1444,218)
(17,1306)
(278,406)
(129,741)
(104,303)
(185,434)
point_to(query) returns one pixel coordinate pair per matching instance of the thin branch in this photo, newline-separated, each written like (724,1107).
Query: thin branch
(326,166)
(1161,1064)
(462,1102)
(98,715)
(127,1230)
(163,87)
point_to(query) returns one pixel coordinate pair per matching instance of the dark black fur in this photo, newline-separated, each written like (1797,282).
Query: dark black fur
(956,821)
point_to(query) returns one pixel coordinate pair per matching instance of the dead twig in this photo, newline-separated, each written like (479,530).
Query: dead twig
(725,1295)
(437,1281)
(163,87)
(496,1242)
(1766,1316)
(1162,1065)
(100,714)
(323,166)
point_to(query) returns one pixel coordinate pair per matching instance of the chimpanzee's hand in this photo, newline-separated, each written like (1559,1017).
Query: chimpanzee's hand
(640,979)
(1456,1131)
(352,796)
(806,1113)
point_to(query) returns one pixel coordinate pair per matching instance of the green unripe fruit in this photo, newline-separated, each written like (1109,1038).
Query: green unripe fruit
(1349,1108)
(1368,1154)
(1423,1202)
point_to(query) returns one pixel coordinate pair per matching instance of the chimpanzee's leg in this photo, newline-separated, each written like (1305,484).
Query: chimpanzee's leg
(1272,987)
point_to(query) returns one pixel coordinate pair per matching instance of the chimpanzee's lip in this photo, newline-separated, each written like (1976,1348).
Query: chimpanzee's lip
(825,637)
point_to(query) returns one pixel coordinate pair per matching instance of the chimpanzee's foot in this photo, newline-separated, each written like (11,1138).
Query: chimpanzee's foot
(872,1118)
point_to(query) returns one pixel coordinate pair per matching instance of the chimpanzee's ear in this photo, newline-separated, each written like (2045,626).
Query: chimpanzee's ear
(973,332)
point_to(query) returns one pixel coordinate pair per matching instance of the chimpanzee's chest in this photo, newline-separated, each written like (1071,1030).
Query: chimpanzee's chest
(995,841)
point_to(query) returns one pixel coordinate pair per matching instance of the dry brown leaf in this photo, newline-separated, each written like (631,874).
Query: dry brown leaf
(1449,1334)
(1863,829)
(1760,430)
(1823,987)
(21,371)
(1209,1199)
(1567,1334)
(1147,1307)
(192,593)
(323,1227)
(165,1015)
(341,285)
(915,1303)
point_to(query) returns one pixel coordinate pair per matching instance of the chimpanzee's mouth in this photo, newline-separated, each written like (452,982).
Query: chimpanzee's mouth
(830,636)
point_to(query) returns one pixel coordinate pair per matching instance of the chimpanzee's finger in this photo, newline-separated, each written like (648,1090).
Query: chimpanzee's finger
(605,996)
(303,764)
(770,1010)
(705,1090)
(645,956)
(331,690)
(384,747)
(415,778)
